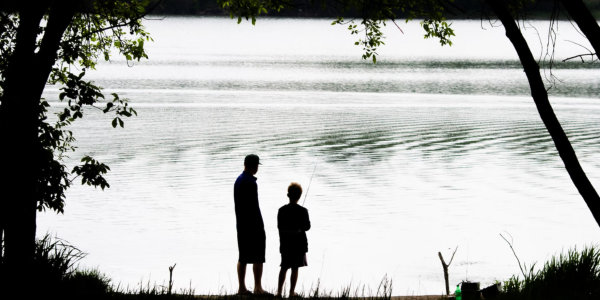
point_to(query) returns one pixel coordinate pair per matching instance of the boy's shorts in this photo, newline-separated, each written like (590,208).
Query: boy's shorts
(293,260)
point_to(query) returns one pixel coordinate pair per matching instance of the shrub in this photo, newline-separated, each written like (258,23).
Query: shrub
(574,276)
(86,284)
(56,274)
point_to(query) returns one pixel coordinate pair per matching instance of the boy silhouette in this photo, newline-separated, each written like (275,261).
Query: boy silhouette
(292,222)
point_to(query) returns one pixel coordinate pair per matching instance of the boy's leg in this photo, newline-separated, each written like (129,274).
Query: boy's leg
(282,274)
(293,280)
(241,271)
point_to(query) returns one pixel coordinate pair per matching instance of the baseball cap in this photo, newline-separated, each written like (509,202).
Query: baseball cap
(252,159)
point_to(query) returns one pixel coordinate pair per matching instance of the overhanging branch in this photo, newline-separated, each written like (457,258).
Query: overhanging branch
(580,56)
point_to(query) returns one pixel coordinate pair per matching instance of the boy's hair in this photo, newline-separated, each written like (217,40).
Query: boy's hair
(294,191)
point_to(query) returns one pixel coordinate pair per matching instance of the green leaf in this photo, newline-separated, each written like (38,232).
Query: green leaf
(109,105)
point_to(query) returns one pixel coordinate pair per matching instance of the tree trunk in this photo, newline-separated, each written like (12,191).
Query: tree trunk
(18,133)
(540,97)
(25,80)
(586,22)
(445,267)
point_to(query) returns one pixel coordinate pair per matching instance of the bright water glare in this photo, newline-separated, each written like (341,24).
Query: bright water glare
(431,148)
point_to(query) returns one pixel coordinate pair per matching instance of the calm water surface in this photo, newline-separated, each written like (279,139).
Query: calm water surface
(430,149)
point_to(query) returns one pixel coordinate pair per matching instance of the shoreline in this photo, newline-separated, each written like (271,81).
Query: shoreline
(412,297)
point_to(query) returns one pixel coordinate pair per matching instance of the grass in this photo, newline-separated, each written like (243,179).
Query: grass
(149,291)
(574,276)
(383,292)
(58,275)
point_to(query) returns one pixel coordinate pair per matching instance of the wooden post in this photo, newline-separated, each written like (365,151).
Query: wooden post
(445,266)
(171,277)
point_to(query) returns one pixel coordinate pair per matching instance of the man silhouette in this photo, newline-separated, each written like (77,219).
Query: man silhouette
(250,227)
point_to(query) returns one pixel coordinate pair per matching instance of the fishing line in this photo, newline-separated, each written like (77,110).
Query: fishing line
(308,188)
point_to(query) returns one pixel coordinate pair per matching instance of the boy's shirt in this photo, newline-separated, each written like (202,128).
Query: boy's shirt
(293,222)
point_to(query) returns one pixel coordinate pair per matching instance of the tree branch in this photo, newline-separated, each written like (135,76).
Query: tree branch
(580,56)
(89,34)
(148,10)
(515,254)
(60,17)
(445,267)
(452,258)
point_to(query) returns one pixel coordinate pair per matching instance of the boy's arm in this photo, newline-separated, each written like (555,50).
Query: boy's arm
(306,225)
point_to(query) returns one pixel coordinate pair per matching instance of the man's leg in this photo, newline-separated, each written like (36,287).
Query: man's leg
(293,280)
(282,274)
(258,269)
(241,271)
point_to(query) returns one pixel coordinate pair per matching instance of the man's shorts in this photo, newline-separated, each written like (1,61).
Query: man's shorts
(251,246)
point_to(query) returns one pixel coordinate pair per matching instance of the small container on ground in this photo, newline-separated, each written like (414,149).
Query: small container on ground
(470,290)
(491,292)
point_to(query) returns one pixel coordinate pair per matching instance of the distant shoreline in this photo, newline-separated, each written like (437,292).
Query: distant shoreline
(459,10)
(533,16)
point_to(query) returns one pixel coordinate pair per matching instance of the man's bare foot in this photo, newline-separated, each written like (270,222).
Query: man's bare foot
(294,295)
(261,292)
(244,292)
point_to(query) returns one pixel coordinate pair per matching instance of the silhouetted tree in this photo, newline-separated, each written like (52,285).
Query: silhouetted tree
(375,13)
(585,21)
(540,97)
(52,42)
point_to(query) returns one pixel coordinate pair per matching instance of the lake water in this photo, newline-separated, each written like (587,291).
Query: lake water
(431,148)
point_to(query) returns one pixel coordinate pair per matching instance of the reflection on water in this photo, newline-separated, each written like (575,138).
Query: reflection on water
(439,77)
(412,157)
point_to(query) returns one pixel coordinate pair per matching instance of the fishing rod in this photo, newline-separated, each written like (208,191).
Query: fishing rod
(308,188)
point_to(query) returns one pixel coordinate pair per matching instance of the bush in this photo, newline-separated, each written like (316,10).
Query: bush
(573,276)
(56,274)
(86,284)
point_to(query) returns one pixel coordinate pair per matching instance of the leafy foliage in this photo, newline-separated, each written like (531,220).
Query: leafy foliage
(250,9)
(438,29)
(99,29)
(91,172)
(373,36)
(373,16)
